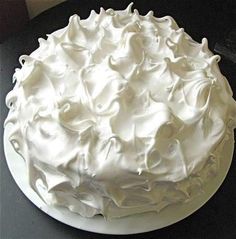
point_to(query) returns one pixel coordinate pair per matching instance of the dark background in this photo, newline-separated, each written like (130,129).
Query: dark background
(215,20)
(13,17)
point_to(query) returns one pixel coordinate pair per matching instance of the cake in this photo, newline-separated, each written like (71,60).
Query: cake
(120,114)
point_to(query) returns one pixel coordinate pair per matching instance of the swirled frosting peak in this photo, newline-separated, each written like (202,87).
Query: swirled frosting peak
(119,114)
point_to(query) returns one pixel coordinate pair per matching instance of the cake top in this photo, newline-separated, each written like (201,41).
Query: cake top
(115,96)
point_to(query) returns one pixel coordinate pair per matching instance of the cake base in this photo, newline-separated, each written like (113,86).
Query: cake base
(127,225)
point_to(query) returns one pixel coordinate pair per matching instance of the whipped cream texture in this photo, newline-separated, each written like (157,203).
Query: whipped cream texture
(120,114)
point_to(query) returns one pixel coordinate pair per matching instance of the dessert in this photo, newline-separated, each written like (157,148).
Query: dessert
(120,114)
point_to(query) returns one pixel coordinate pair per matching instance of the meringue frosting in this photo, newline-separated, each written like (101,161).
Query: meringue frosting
(120,114)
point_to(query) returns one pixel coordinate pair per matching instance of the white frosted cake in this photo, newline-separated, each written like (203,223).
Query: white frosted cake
(120,114)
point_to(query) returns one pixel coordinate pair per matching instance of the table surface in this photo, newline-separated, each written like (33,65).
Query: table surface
(215,20)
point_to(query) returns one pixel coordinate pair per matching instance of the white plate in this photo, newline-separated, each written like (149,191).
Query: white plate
(127,225)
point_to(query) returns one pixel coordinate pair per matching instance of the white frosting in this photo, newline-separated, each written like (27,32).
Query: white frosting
(120,114)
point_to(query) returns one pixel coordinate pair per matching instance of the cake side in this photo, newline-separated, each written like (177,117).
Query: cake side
(120,114)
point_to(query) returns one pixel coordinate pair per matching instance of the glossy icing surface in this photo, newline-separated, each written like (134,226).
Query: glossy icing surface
(119,114)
